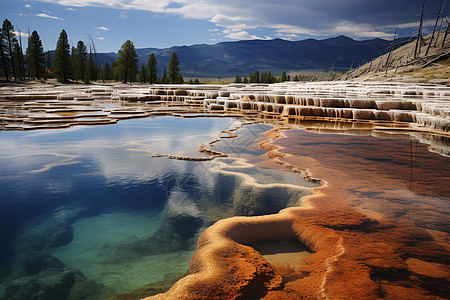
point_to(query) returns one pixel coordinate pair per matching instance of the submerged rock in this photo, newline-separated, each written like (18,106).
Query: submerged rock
(181,221)
(149,289)
(179,226)
(37,263)
(48,284)
(47,278)
(44,233)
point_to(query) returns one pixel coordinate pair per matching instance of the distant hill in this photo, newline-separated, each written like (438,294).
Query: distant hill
(240,58)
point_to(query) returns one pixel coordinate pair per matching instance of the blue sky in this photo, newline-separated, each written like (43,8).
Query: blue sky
(166,23)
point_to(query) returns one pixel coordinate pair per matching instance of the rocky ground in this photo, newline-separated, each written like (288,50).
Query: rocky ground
(402,65)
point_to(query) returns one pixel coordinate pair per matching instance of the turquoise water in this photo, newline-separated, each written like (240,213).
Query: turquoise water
(88,212)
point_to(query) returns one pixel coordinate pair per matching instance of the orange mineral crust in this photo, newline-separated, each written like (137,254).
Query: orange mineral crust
(378,228)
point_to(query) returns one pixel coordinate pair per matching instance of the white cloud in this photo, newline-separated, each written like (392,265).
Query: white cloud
(244,35)
(411,24)
(102,28)
(195,10)
(123,14)
(100,38)
(23,34)
(287,36)
(71,9)
(342,28)
(149,5)
(360,30)
(27,5)
(289,17)
(48,16)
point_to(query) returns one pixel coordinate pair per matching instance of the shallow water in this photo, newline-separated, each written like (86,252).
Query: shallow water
(386,177)
(95,200)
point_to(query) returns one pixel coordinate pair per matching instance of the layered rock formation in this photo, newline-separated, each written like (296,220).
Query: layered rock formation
(424,106)
(417,107)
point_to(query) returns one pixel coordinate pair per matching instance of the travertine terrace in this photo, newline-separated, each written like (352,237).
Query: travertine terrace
(419,107)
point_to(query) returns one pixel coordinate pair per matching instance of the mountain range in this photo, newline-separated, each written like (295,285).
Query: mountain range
(228,59)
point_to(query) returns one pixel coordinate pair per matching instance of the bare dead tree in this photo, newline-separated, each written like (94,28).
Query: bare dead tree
(330,72)
(435,25)
(438,32)
(446,32)
(392,48)
(398,65)
(97,62)
(419,33)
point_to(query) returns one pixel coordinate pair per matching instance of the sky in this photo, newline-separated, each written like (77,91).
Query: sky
(167,23)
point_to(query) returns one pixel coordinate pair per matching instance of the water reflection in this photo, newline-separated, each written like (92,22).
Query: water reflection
(393,177)
(93,205)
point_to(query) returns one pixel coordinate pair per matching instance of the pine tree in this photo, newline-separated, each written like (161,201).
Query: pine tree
(174,70)
(3,60)
(256,78)
(296,78)
(127,62)
(48,64)
(62,66)
(94,68)
(117,75)
(237,79)
(152,69)
(142,74)
(89,73)
(245,80)
(20,57)
(73,60)
(164,79)
(107,72)
(8,38)
(17,60)
(80,57)
(35,56)
(196,81)
(263,77)
(283,77)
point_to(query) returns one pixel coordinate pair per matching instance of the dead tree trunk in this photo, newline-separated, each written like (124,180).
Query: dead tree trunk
(438,32)
(419,33)
(392,48)
(435,25)
(445,35)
